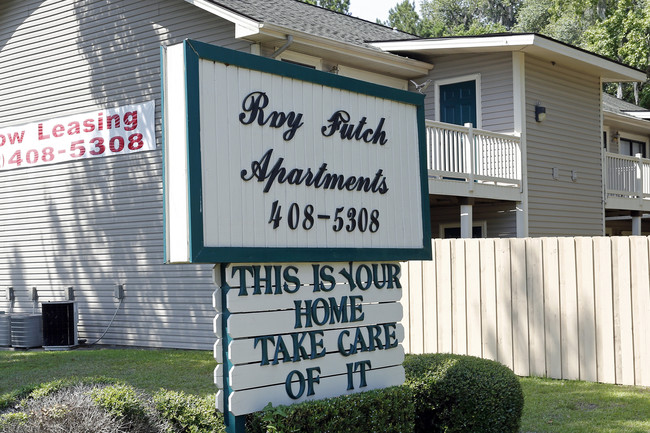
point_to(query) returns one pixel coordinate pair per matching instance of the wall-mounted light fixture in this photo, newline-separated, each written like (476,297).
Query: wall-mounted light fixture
(540,113)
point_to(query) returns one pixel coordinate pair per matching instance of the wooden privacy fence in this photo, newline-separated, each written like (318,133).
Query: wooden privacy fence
(565,308)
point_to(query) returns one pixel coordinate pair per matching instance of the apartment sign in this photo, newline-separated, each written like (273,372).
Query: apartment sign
(305,189)
(300,332)
(266,159)
(95,134)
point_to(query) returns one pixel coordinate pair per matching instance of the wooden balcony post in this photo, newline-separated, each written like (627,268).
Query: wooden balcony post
(469,156)
(638,188)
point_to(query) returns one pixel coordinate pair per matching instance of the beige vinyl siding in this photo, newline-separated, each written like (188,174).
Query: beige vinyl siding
(96,223)
(496,86)
(569,139)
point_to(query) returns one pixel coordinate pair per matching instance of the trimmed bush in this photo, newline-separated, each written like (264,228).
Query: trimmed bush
(189,413)
(456,393)
(388,410)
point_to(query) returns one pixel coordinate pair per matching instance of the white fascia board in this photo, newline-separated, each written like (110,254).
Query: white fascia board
(449,45)
(639,114)
(611,71)
(401,65)
(242,23)
(532,44)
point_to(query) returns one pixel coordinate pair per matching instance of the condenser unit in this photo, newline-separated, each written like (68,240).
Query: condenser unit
(5,329)
(26,330)
(59,325)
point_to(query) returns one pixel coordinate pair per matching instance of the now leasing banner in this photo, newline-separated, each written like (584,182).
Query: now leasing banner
(95,134)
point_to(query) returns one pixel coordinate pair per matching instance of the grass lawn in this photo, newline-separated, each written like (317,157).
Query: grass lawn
(190,371)
(564,406)
(551,405)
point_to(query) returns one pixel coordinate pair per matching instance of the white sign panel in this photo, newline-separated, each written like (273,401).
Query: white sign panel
(269,159)
(96,134)
(294,332)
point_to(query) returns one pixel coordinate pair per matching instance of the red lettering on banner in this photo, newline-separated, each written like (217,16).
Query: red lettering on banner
(16,137)
(58,131)
(40,133)
(89,125)
(74,128)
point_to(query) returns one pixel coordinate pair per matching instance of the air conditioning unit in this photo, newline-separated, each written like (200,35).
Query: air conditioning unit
(59,325)
(5,330)
(26,330)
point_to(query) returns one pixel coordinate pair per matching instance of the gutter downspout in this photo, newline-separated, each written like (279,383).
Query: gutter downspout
(283,47)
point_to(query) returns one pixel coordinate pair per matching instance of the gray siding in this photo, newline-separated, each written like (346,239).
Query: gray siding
(569,139)
(96,223)
(496,85)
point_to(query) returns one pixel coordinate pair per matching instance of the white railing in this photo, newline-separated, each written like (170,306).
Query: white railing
(627,176)
(468,154)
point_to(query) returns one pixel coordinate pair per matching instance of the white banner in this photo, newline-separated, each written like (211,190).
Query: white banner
(115,131)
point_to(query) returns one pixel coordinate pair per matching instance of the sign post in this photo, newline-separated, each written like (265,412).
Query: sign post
(305,189)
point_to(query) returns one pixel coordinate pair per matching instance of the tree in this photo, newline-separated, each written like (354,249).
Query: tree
(624,35)
(618,29)
(342,6)
(564,20)
(454,17)
(404,17)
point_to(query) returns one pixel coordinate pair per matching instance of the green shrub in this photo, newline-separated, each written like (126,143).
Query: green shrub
(119,400)
(12,419)
(189,413)
(379,411)
(456,393)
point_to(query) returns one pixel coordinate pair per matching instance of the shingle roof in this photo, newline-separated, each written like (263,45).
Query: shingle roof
(620,107)
(303,17)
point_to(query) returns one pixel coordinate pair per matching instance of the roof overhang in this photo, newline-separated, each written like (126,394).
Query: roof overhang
(352,55)
(626,122)
(533,44)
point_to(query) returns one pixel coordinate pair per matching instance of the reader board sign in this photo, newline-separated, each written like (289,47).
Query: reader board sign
(93,134)
(267,161)
(298,332)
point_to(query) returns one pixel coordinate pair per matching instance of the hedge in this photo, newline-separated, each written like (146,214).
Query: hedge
(388,410)
(456,393)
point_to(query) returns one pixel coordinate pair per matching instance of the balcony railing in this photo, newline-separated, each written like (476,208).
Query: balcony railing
(463,153)
(627,176)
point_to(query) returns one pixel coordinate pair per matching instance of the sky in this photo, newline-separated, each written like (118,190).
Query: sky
(372,9)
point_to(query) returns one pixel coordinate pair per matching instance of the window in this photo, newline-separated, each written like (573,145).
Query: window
(631,147)
(459,101)
(452,231)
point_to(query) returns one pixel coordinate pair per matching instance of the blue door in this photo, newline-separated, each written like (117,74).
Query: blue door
(458,103)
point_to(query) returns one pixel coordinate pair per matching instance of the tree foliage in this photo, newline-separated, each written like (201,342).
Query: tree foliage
(618,29)
(342,6)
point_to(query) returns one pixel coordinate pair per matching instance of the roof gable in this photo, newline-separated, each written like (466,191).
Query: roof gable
(534,44)
(307,18)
